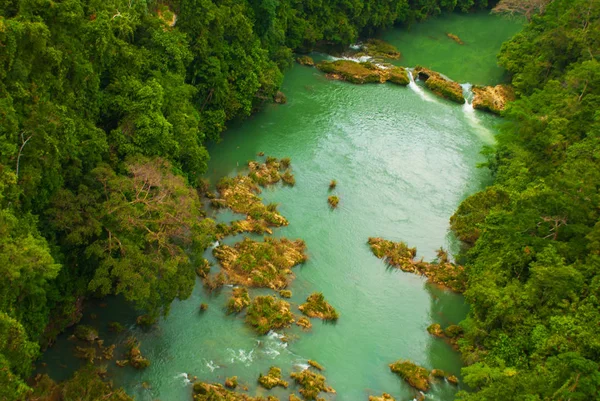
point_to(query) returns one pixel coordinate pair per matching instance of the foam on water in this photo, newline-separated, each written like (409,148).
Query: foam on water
(416,88)
(183,376)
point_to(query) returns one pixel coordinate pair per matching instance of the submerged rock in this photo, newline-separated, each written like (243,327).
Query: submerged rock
(311,384)
(267,313)
(316,306)
(272,379)
(442,272)
(305,60)
(440,85)
(415,375)
(261,264)
(492,98)
(455,38)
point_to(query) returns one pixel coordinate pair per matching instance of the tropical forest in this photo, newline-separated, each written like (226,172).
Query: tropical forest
(272,200)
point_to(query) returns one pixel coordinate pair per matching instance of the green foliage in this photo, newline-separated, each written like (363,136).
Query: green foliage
(534,268)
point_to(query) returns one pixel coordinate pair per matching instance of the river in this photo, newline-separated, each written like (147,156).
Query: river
(403,159)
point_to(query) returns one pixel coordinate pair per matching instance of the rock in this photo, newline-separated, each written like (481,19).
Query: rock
(280,98)
(231,382)
(455,38)
(316,306)
(435,330)
(380,48)
(492,98)
(452,379)
(145,320)
(384,397)
(315,365)
(238,301)
(333,201)
(86,333)
(203,307)
(438,373)
(414,375)
(311,384)
(285,294)
(440,85)
(305,60)
(304,322)
(364,72)
(267,313)
(272,379)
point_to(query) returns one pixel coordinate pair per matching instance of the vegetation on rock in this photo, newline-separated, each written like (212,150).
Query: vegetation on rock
(414,375)
(442,272)
(267,313)
(231,382)
(316,306)
(315,364)
(440,85)
(311,383)
(305,60)
(383,397)
(333,201)
(492,98)
(272,379)
(364,72)
(455,38)
(304,322)
(261,264)
(239,300)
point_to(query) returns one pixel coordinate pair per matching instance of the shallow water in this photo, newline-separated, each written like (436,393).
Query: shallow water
(403,160)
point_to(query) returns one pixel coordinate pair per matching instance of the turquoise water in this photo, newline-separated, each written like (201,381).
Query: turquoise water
(403,160)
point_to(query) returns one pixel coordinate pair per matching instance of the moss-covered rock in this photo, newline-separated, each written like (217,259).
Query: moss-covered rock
(217,392)
(146,320)
(316,306)
(333,201)
(364,72)
(304,322)
(435,330)
(380,48)
(455,38)
(414,375)
(351,71)
(203,268)
(285,294)
(231,382)
(305,60)
(203,307)
(280,98)
(332,185)
(116,327)
(86,333)
(261,264)
(311,384)
(315,365)
(383,397)
(272,379)
(440,85)
(442,272)
(294,397)
(267,313)
(492,98)
(134,355)
(452,379)
(238,301)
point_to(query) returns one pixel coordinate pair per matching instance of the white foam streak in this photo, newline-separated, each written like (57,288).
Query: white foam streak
(416,88)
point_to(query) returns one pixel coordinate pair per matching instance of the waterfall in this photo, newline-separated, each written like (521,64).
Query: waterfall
(472,117)
(416,88)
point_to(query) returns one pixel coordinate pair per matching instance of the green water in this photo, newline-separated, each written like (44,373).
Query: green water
(403,160)
(475,61)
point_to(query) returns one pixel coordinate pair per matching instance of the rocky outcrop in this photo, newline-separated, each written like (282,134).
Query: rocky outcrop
(364,72)
(492,98)
(440,85)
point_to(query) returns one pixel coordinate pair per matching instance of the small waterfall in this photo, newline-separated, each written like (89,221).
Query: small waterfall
(416,88)
(468,94)
(484,133)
